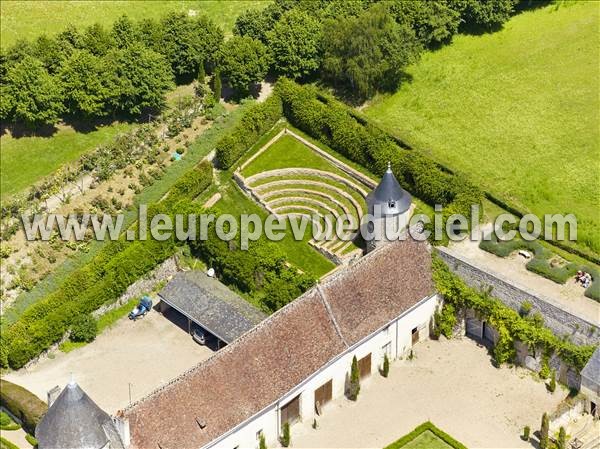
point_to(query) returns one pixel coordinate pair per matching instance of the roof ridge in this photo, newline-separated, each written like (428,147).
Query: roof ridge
(331,315)
(215,357)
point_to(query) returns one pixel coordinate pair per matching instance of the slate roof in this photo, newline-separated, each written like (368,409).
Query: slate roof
(263,365)
(386,193)
(211,304)
(591,371)
(74,421)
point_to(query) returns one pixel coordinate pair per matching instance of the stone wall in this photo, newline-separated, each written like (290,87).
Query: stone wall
(513,295)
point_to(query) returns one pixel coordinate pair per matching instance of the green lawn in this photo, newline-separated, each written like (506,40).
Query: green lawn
(28,19)
(426,436)
(289,152)
(427,440)
(299,253)
(517,110)
(25,160)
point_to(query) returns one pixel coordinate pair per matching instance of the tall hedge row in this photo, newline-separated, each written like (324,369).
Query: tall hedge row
(23,404)
(101,281)
(333,123)
(257,120)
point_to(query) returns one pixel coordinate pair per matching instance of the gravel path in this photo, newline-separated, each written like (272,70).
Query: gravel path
(452,384)
(146,353)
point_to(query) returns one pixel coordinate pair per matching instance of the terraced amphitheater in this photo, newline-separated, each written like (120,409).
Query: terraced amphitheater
(295,179)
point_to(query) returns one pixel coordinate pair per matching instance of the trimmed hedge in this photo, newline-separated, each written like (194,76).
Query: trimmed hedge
(540,263)
(5,444)
(336,125)
(426,427)
(23,404)
(191,184)
(257,120)
(261,271)
(509,324)
(101,281)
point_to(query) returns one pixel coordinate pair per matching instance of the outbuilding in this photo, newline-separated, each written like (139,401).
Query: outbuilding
(211,309)
(590,384)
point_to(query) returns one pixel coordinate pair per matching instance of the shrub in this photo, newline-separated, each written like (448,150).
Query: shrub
(544,432)
(5,250)
(285,435)
(22,404)
(526,432)
(561,442)
(262,444)
(31,440)
(180,150)
(354,387)
(552,384)
(525,308)
(84,329)
(258,119)
(386,366)
(447,320)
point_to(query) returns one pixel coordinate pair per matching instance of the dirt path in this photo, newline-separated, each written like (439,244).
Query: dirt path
(569,296)
(146,354)
(452,384)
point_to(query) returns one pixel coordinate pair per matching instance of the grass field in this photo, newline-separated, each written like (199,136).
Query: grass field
(25,160)
(516,110)
(28,19)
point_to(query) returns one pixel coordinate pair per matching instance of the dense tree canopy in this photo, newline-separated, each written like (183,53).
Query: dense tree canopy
(295,43)
(484,13)
(433,22)
(31,94)
(89,84)
(243,61)
(144,78)
(186,42)
(368,53)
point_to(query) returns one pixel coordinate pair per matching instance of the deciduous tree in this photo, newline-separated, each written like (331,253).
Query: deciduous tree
(368,53)
(243,62)
(295,43)
(35,94)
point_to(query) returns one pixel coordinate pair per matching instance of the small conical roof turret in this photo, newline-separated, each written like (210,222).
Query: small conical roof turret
(388,198)
(75,421)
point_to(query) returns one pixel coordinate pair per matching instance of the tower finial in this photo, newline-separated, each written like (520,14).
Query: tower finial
(72,381)
(389,166)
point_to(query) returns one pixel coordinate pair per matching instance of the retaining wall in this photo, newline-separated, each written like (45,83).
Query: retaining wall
(580,330)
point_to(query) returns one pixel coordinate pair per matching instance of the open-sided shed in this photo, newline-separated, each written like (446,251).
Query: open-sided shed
(209,304)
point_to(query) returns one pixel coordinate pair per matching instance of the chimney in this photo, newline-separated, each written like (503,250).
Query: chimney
(122,425)
(52,395)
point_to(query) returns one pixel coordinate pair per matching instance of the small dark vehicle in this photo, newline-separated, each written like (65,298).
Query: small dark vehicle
(141,309)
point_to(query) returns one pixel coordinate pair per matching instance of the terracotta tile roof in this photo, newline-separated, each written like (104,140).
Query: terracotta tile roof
(239,380)
(378,288)
(267,362)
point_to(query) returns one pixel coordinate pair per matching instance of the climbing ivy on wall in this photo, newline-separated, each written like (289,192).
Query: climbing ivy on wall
(510,325)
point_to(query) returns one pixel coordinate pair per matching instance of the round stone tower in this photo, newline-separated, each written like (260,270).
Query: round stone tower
(74,421)
(389,207)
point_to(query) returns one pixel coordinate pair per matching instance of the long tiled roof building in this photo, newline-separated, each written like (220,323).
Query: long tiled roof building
(256,370)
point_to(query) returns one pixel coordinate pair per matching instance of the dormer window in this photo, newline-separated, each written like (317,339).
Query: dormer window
(391,204)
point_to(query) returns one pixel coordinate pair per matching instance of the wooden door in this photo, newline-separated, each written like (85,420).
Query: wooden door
(323,395)
(364,366)
(290,412)
(415,335)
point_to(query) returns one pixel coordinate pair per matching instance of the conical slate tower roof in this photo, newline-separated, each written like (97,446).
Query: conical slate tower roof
(388,198)
(74,421)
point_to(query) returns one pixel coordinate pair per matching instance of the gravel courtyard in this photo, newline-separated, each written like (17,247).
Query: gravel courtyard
(450,383)
(146,353)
